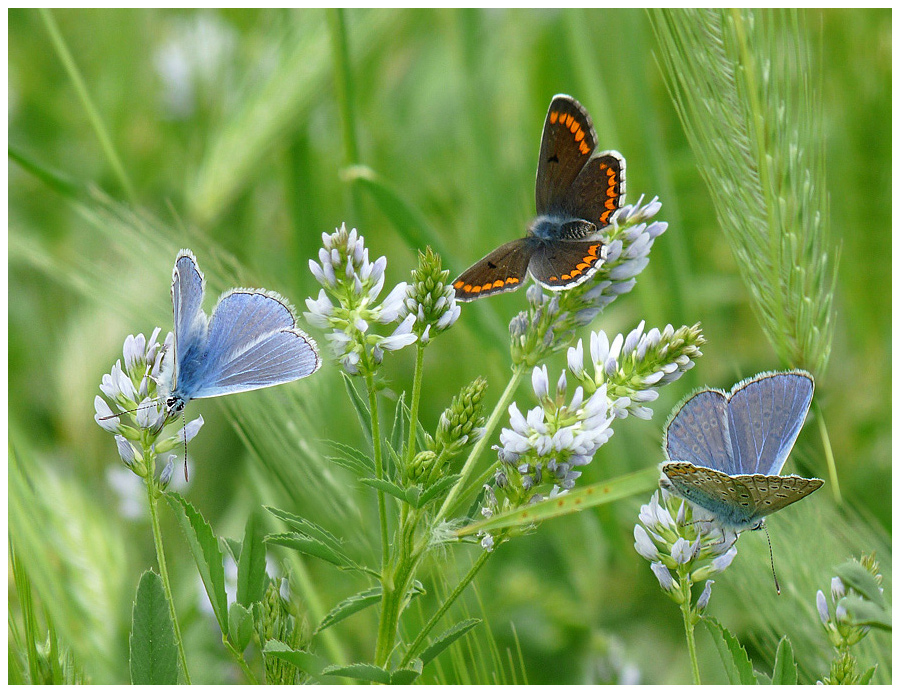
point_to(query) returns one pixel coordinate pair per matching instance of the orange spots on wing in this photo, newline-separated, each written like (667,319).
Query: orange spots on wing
(486,286)
(459,284)
(567,121)
(512,280)
(583,148)
(497,284)
(554,116)
(574,126)
(579,135)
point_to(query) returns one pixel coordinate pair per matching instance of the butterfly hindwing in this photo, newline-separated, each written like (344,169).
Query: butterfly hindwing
(599,189)
(566,145)
(564,264)
(501,270)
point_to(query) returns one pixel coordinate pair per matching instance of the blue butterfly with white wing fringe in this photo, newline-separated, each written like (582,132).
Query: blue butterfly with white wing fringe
(250,342)
(727,449)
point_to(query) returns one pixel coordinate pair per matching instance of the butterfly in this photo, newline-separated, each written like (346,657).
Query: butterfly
(251,341)
(576,194)
(728,448)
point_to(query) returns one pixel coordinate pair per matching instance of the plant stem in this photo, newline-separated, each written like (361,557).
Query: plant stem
(414,405)
(829,455)
(239,656)
(458,590)
(469,466)
(688,614)
(379,471)
(343,83)
(68,62)
(161,560)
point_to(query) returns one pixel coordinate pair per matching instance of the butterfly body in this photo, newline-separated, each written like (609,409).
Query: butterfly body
(576,193)
(250,342)
(727,449)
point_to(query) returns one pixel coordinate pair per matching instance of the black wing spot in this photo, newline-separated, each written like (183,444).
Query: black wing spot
(554,159)
(492,265)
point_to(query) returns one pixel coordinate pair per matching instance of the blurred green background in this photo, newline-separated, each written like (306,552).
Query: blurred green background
(230,127)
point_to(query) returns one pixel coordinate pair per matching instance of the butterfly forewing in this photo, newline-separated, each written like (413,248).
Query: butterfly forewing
(567,143)
(187,300)
(502,270)
(765,416)
(599,190)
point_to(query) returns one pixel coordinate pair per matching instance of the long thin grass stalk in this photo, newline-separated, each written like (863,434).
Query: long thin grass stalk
(741,84)
(62,50)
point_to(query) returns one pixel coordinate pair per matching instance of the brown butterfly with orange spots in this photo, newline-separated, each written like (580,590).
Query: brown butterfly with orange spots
(576,194)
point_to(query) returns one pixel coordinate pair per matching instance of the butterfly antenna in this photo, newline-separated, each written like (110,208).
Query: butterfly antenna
(184,422)
(127,411)
(772,560)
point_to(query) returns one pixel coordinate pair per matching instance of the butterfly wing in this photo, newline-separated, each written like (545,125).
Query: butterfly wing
(698,432)
(564,264)
(770,493)
(765,416)
(253,343)
(502,270)
(729,501)
(190,321)
(599,190)
(566,145)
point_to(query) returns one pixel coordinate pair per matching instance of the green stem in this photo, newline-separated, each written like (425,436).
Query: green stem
(239,657)
(161,560)
(829,455)
(458,590)
(414,405)
(688,613)
(469,466)
(93,114)
(379,471)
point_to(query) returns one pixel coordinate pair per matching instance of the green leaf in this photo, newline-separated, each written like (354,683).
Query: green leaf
(854,575)
(313,547)
(867,676)
(398,429)
(784,673)
(865,613)
(240,626)
(154,655)
(355,460)
(206,552)
(251,582)
(306,662)
(388,487)
(361,671)
(232,546)
(407,675)
(586,497)
(734,656)
(350,606)
(307,527)
(359,404)
(438,488)
(447,638)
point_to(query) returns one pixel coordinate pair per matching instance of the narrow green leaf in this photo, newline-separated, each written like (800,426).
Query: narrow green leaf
(350,606)
(313,547)
(587,497)
(307,527)
(447,638)
(866,613)
(240,626)
(59,182)
(361,671)
(355,460)
(734,656)
(206,552)
(388,487)
(407,675)
(306,662)
(784,673)
(438,488)
(855,576)
(398,428)
(232,546)
(867,676)
(154,655)
(251,583)
(359,404)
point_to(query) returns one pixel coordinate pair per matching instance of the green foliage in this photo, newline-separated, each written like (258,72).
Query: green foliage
(246,162)
(154,656)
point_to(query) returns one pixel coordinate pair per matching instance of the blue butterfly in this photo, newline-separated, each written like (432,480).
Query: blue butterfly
(728,448)
(251,341)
